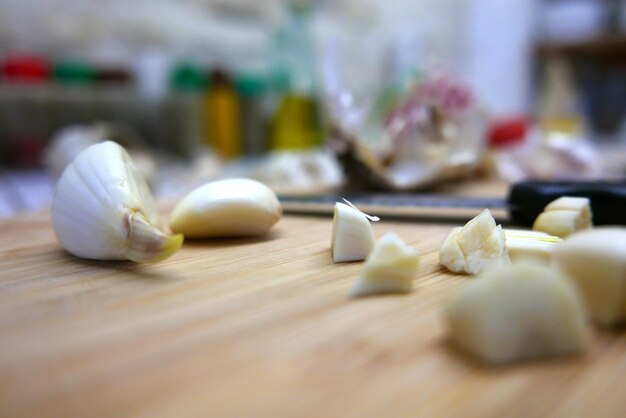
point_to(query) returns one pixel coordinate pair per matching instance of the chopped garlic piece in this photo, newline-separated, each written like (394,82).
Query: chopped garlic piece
(478,245)
(389,268)
(530,246)
(352,236)
(517,312)
(580,204)
(564,216)
(595,260)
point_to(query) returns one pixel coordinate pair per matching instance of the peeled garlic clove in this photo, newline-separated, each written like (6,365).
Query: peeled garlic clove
(564,216)
(227,208)
(595,260)
(389,268)
(517,312)
(102,209)
(352,236)
(478,245)
(530,246)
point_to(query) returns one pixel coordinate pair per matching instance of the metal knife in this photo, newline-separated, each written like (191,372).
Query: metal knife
(524,203)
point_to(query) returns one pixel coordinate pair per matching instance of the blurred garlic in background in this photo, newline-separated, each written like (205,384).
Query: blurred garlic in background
(70,141)
(548,155)
(433,132)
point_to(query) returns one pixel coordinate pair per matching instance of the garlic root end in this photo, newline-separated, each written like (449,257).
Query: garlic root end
(148,243)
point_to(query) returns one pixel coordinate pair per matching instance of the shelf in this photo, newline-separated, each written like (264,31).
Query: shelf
(602,47)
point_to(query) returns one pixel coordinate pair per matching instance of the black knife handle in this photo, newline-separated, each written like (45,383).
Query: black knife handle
(608,199)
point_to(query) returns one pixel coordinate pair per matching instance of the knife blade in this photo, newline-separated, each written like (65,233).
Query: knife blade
(525,201)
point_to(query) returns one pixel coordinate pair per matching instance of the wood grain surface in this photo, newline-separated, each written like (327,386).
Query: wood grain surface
(260,328)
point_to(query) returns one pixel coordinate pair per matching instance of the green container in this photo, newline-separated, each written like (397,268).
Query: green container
(74,72)
(250,85)
(251,89)
(188,77)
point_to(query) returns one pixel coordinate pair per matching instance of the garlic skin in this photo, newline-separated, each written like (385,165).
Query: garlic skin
(227,208)
(102,209)
(517,312)
(389,268)
(352,237)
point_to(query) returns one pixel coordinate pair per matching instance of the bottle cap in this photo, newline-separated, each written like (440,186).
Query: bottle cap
(188,77)
(26,68)
(508,131)
(250,85)
(74,72)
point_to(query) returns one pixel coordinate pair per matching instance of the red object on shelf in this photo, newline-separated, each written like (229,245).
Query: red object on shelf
(26,68)
(509,131)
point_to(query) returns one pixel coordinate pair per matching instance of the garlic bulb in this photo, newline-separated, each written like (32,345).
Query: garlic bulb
(102,209)
(227,208)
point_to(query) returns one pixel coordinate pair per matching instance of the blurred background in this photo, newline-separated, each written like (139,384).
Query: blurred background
(312,96)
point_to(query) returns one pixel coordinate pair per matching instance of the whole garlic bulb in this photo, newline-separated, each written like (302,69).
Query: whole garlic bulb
(102,209)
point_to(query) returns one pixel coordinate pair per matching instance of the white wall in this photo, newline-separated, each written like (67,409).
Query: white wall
(498,53)
(486,42)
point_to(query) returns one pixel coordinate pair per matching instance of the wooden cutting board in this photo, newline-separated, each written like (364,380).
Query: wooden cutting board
(260,327)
